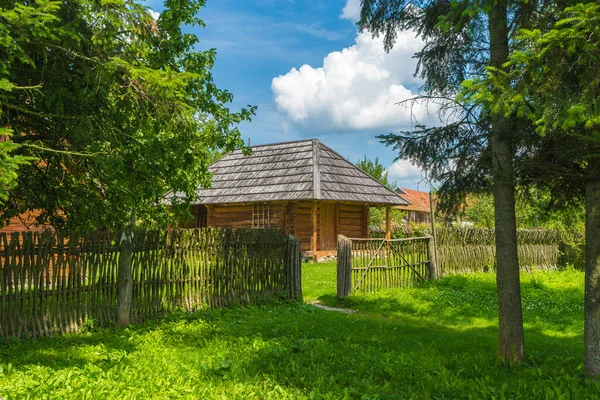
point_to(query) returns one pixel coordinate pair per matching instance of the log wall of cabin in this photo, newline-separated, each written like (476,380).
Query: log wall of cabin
(240,215)
(354,220)
(350,220)
(25,222)
(303,224)
(198,220)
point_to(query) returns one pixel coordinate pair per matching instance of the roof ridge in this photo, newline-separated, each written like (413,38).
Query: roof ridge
(316,170)
(278,143)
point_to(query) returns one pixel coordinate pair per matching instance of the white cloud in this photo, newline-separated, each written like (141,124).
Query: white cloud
(154,14)
(351,10)
(355,89)
(405,173)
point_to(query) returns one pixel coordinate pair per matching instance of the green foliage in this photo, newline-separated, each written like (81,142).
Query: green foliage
(561,60)
(116,108)
(377,214)
(455,153)
(9,164)
(377,217)
(480,210)
(534,209)
(409,230)
(455,61)
(419,229)
(429,342)
(551,82)
(376,170)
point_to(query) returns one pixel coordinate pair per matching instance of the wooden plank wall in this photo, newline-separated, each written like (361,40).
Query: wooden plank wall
(230,216)
(354,220)
(240,215)
(303,223)
(296,218)
(289,222)
(24,223)
(199,221)
(293,217)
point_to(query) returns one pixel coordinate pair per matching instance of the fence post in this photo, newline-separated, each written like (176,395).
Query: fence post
(432,266)
(344,266)
(293,268)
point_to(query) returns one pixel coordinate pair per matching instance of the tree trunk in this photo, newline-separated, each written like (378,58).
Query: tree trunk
(592,269)
(124,278)
(124,283)
(510,333)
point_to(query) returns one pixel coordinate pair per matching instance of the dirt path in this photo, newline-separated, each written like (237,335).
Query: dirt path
(342,310)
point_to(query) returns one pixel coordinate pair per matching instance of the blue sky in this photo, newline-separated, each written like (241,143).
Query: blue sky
(312,74)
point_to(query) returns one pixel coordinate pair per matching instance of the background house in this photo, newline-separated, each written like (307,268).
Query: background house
(25,222)
(304,187)
(419,210)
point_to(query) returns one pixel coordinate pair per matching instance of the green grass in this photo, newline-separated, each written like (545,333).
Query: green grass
(436,341)
(552,300)
(319,282)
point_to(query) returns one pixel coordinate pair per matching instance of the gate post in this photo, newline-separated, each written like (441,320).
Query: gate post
(432,266)
(293,268)
(344,266)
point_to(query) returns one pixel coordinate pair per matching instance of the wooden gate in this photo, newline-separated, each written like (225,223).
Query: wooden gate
(368,265)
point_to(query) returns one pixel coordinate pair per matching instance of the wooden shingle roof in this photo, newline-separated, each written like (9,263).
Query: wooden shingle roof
(301,170)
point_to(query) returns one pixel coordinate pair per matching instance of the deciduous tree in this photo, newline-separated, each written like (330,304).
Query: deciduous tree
(376,170)
(115,107)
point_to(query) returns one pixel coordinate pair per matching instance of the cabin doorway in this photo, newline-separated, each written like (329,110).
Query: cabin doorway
(199,213)
(201,216)
(328,227)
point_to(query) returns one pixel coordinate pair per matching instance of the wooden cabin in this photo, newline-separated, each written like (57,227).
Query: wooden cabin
(303,187)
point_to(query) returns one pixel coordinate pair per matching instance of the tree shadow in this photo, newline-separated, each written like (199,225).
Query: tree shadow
(316,352)
(458,300)
(428,342)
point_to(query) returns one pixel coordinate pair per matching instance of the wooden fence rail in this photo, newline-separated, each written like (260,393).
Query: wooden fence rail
(463,250)
(369,265)
(53,283)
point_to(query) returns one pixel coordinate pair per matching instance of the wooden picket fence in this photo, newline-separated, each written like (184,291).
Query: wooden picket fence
(52,283)
(463,250)
(369,265)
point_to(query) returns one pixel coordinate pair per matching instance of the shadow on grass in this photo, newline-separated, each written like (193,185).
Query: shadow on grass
(316,351)
(435,341)
(463,301)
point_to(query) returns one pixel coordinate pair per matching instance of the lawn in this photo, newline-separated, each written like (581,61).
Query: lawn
(436,341)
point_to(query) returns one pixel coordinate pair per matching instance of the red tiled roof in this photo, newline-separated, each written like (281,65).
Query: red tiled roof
(419,200)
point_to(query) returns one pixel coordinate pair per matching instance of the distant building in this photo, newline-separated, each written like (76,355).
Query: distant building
(24,223)
(419,210)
